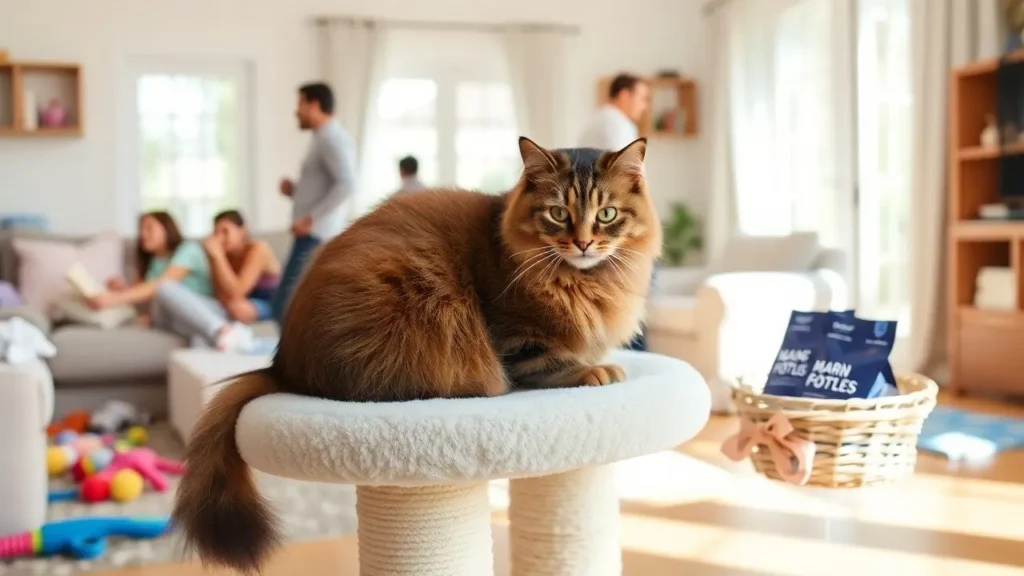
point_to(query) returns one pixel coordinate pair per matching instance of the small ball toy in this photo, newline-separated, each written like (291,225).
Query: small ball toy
(137,435)
(126,485)
(92,463)
(123,445)
(87,443)
(95,489)
(64,438)
(59,459)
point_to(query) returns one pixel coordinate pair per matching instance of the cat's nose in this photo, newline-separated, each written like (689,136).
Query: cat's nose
(583,245)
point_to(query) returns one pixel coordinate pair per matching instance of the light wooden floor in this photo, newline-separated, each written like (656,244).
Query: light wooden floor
(693,512)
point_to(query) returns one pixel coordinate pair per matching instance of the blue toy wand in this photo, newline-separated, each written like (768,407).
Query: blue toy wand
(82,538)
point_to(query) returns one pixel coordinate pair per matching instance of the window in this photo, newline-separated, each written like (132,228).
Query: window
(446,100)
(884,118)
(782,110)
(406,125)
(486,151)
(463,133)
(188,144)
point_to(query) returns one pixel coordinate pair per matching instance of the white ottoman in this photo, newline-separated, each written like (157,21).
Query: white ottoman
(421,468)
(191,377)
(26,408)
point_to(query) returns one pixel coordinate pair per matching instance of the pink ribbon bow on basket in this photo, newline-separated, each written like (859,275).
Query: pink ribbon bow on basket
(792,455)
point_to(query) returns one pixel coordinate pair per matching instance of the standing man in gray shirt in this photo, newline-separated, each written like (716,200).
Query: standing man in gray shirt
(326,182)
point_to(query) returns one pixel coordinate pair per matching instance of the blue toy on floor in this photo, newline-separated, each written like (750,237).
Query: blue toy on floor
(82,538)
(963,435)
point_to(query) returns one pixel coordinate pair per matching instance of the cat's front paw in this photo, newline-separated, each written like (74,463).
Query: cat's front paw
(601,375)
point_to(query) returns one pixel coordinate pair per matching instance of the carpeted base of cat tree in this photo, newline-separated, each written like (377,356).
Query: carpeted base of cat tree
(421,468)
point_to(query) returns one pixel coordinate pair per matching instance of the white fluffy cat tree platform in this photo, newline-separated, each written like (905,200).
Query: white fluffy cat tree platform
(421,468)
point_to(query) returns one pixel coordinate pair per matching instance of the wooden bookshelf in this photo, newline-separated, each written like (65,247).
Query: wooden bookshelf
(48,81)
(677,95)
(985,346)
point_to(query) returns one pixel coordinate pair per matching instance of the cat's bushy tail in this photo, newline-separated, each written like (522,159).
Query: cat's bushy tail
(218,507)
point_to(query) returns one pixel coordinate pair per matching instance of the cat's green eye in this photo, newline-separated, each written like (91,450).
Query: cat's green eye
(606,215)
(559,214)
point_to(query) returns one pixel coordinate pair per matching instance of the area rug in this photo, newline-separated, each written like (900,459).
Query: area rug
(307,511)
(965,435)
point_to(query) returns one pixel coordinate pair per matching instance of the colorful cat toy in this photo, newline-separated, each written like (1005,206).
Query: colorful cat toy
(82,538)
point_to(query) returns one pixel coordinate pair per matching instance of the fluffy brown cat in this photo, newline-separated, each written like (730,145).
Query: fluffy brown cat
(442,293)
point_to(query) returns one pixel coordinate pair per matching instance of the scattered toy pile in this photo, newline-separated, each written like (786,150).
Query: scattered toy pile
(106,466)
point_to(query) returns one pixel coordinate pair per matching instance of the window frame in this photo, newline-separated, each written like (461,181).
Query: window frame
(128,196)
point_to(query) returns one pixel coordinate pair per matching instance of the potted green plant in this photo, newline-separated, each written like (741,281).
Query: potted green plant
(681,235)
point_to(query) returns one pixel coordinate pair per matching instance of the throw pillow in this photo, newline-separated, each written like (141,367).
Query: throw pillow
(72,308)
(43,264)
(790,253)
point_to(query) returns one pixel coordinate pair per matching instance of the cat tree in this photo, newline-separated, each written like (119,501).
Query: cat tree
(421,468)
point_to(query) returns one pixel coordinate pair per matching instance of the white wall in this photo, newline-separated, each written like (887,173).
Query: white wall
(75,181)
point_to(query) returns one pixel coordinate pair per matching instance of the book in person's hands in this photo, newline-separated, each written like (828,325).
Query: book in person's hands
(82,281)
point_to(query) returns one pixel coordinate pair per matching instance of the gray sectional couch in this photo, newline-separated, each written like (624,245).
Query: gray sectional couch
(93,365)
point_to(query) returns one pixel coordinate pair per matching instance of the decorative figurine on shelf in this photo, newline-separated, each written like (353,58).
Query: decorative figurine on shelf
(990,135)
(30,121)
(54,115)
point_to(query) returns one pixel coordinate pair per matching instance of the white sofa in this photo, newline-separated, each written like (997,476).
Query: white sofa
(728,319)
(26,407)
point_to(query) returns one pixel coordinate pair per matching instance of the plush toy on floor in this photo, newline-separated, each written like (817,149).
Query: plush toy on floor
(116,415)
(77,422)
(72,451)
(114,482)
(82,538)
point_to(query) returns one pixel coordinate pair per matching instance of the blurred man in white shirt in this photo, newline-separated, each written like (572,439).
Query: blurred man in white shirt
(408,170)
(615,124)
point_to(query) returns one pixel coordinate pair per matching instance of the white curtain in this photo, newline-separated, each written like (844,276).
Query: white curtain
(946,34)
(721,219)
(781,82)
(351,61)
(538,65)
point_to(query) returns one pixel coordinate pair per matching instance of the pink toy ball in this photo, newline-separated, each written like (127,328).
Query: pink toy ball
(87,443)
(64,438)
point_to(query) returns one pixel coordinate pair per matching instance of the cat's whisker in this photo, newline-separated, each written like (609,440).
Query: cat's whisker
(528,260)
(631,251)
(520,275)
(618,271)
(621,258)
(550,269)
(526,251)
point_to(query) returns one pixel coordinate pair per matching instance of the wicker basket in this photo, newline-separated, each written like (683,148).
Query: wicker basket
(859,442)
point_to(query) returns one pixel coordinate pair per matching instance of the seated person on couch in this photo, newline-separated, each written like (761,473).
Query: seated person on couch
(245,276)
(161,255)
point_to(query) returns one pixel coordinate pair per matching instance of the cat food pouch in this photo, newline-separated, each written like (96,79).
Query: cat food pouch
(802,345)
(854,362)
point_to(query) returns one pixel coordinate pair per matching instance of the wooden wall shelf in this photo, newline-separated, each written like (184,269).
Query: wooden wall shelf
(673,95)
(990,152)
(47,81)
(984,344)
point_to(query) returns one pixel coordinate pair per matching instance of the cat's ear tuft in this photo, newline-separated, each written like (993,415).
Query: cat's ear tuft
(535,158)
(630,160)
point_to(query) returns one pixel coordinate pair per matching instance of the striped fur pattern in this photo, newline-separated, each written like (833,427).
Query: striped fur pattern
(444,293)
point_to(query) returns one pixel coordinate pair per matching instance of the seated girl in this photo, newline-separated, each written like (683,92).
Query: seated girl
(161,255)
(245,275)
